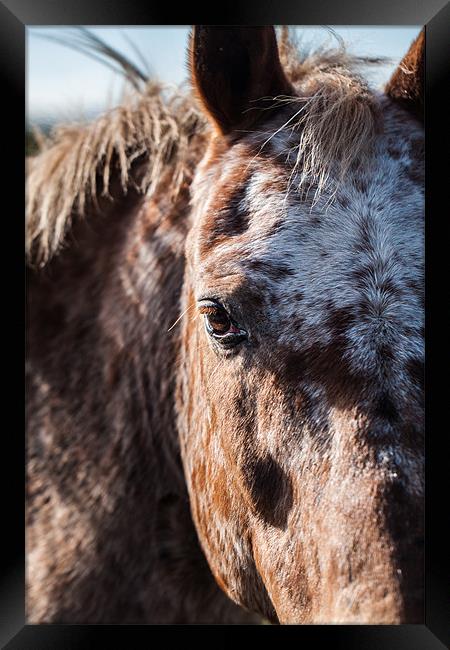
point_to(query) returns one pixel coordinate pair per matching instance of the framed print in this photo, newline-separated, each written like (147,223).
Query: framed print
(229,309)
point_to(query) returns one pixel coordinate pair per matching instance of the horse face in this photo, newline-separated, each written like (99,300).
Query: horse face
(300,398)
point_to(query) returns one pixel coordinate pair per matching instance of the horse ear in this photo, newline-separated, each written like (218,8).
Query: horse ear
(235,71)
(406,85)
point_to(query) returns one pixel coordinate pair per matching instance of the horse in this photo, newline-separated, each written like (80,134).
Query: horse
(225,346)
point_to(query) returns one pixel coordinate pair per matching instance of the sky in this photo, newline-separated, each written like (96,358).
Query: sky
(64,85)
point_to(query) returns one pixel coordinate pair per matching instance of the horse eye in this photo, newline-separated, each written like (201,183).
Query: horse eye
(218,321)
(220,325)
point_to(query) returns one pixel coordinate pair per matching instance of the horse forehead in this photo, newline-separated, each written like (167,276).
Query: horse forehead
(253,212)
(254,225)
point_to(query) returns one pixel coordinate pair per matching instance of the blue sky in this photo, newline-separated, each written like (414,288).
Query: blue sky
(63,84)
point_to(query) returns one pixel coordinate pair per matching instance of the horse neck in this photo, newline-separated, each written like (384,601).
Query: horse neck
(98,321)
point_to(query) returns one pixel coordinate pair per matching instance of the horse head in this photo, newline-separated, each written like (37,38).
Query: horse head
(299,391)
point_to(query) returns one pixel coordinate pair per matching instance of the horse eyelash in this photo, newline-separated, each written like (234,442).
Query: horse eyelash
(208,309)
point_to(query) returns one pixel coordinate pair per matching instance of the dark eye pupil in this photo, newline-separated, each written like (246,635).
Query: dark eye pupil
(219,321)
(220,326)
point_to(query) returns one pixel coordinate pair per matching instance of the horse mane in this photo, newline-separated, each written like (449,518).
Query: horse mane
(76,164)
(337,117)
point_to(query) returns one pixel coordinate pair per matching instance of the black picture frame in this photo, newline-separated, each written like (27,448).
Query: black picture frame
(15,16)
